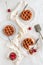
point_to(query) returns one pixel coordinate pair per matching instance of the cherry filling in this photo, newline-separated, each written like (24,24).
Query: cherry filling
(12,56)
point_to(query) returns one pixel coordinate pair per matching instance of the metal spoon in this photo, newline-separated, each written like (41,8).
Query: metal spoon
(25,6)
(38,29)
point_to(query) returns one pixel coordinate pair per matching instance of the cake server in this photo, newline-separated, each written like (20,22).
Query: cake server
(38,29)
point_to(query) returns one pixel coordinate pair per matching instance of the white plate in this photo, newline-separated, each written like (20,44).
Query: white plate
(33,15)
(8,23)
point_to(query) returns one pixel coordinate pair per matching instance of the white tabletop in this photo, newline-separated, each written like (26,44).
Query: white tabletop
(37,5)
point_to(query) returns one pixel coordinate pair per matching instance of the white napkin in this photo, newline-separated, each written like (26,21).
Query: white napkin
(13,16)
(18,8)
(12,48)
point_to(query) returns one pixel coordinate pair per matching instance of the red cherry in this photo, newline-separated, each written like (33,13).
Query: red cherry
(8,10)
(12,56)
(31,51)
(34,50)
(29,28)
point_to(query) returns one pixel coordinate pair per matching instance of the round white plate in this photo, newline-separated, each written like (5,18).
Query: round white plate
(33,15)
(8,23)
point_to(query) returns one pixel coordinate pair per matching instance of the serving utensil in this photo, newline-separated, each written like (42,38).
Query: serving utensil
(25,6)
(22,10)
(36,41)
(38,29)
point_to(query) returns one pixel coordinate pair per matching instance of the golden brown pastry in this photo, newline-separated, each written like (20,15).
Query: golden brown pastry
(26,15)
(27,42)
(8,30)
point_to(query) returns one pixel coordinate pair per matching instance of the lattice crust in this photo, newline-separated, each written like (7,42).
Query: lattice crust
(9,30)
(26,14)
(27,42)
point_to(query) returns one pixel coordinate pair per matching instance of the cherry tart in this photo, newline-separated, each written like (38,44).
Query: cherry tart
(26,15)
(27,42)
(9,30)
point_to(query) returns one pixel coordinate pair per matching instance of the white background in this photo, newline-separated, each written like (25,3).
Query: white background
(37,5)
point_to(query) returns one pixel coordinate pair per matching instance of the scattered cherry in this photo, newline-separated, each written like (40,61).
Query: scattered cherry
(8,10)
(31,51)
(34,50)
(12,56)
(29,28)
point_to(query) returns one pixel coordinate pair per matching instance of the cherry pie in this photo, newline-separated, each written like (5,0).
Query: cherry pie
(8,30)
(26,14)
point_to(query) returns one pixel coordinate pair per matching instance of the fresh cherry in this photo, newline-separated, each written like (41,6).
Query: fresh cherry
(12,56)
(8,10)
(34,50)
(31,51)
(29,28)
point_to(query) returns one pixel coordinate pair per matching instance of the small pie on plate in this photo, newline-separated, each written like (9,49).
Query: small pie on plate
(26,15)
(27,42)
(9,30)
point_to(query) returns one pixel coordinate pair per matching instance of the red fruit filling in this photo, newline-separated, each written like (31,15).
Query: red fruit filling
(12,56)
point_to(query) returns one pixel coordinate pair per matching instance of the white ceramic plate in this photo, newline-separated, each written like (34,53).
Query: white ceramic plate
(8,23)
(33,15)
